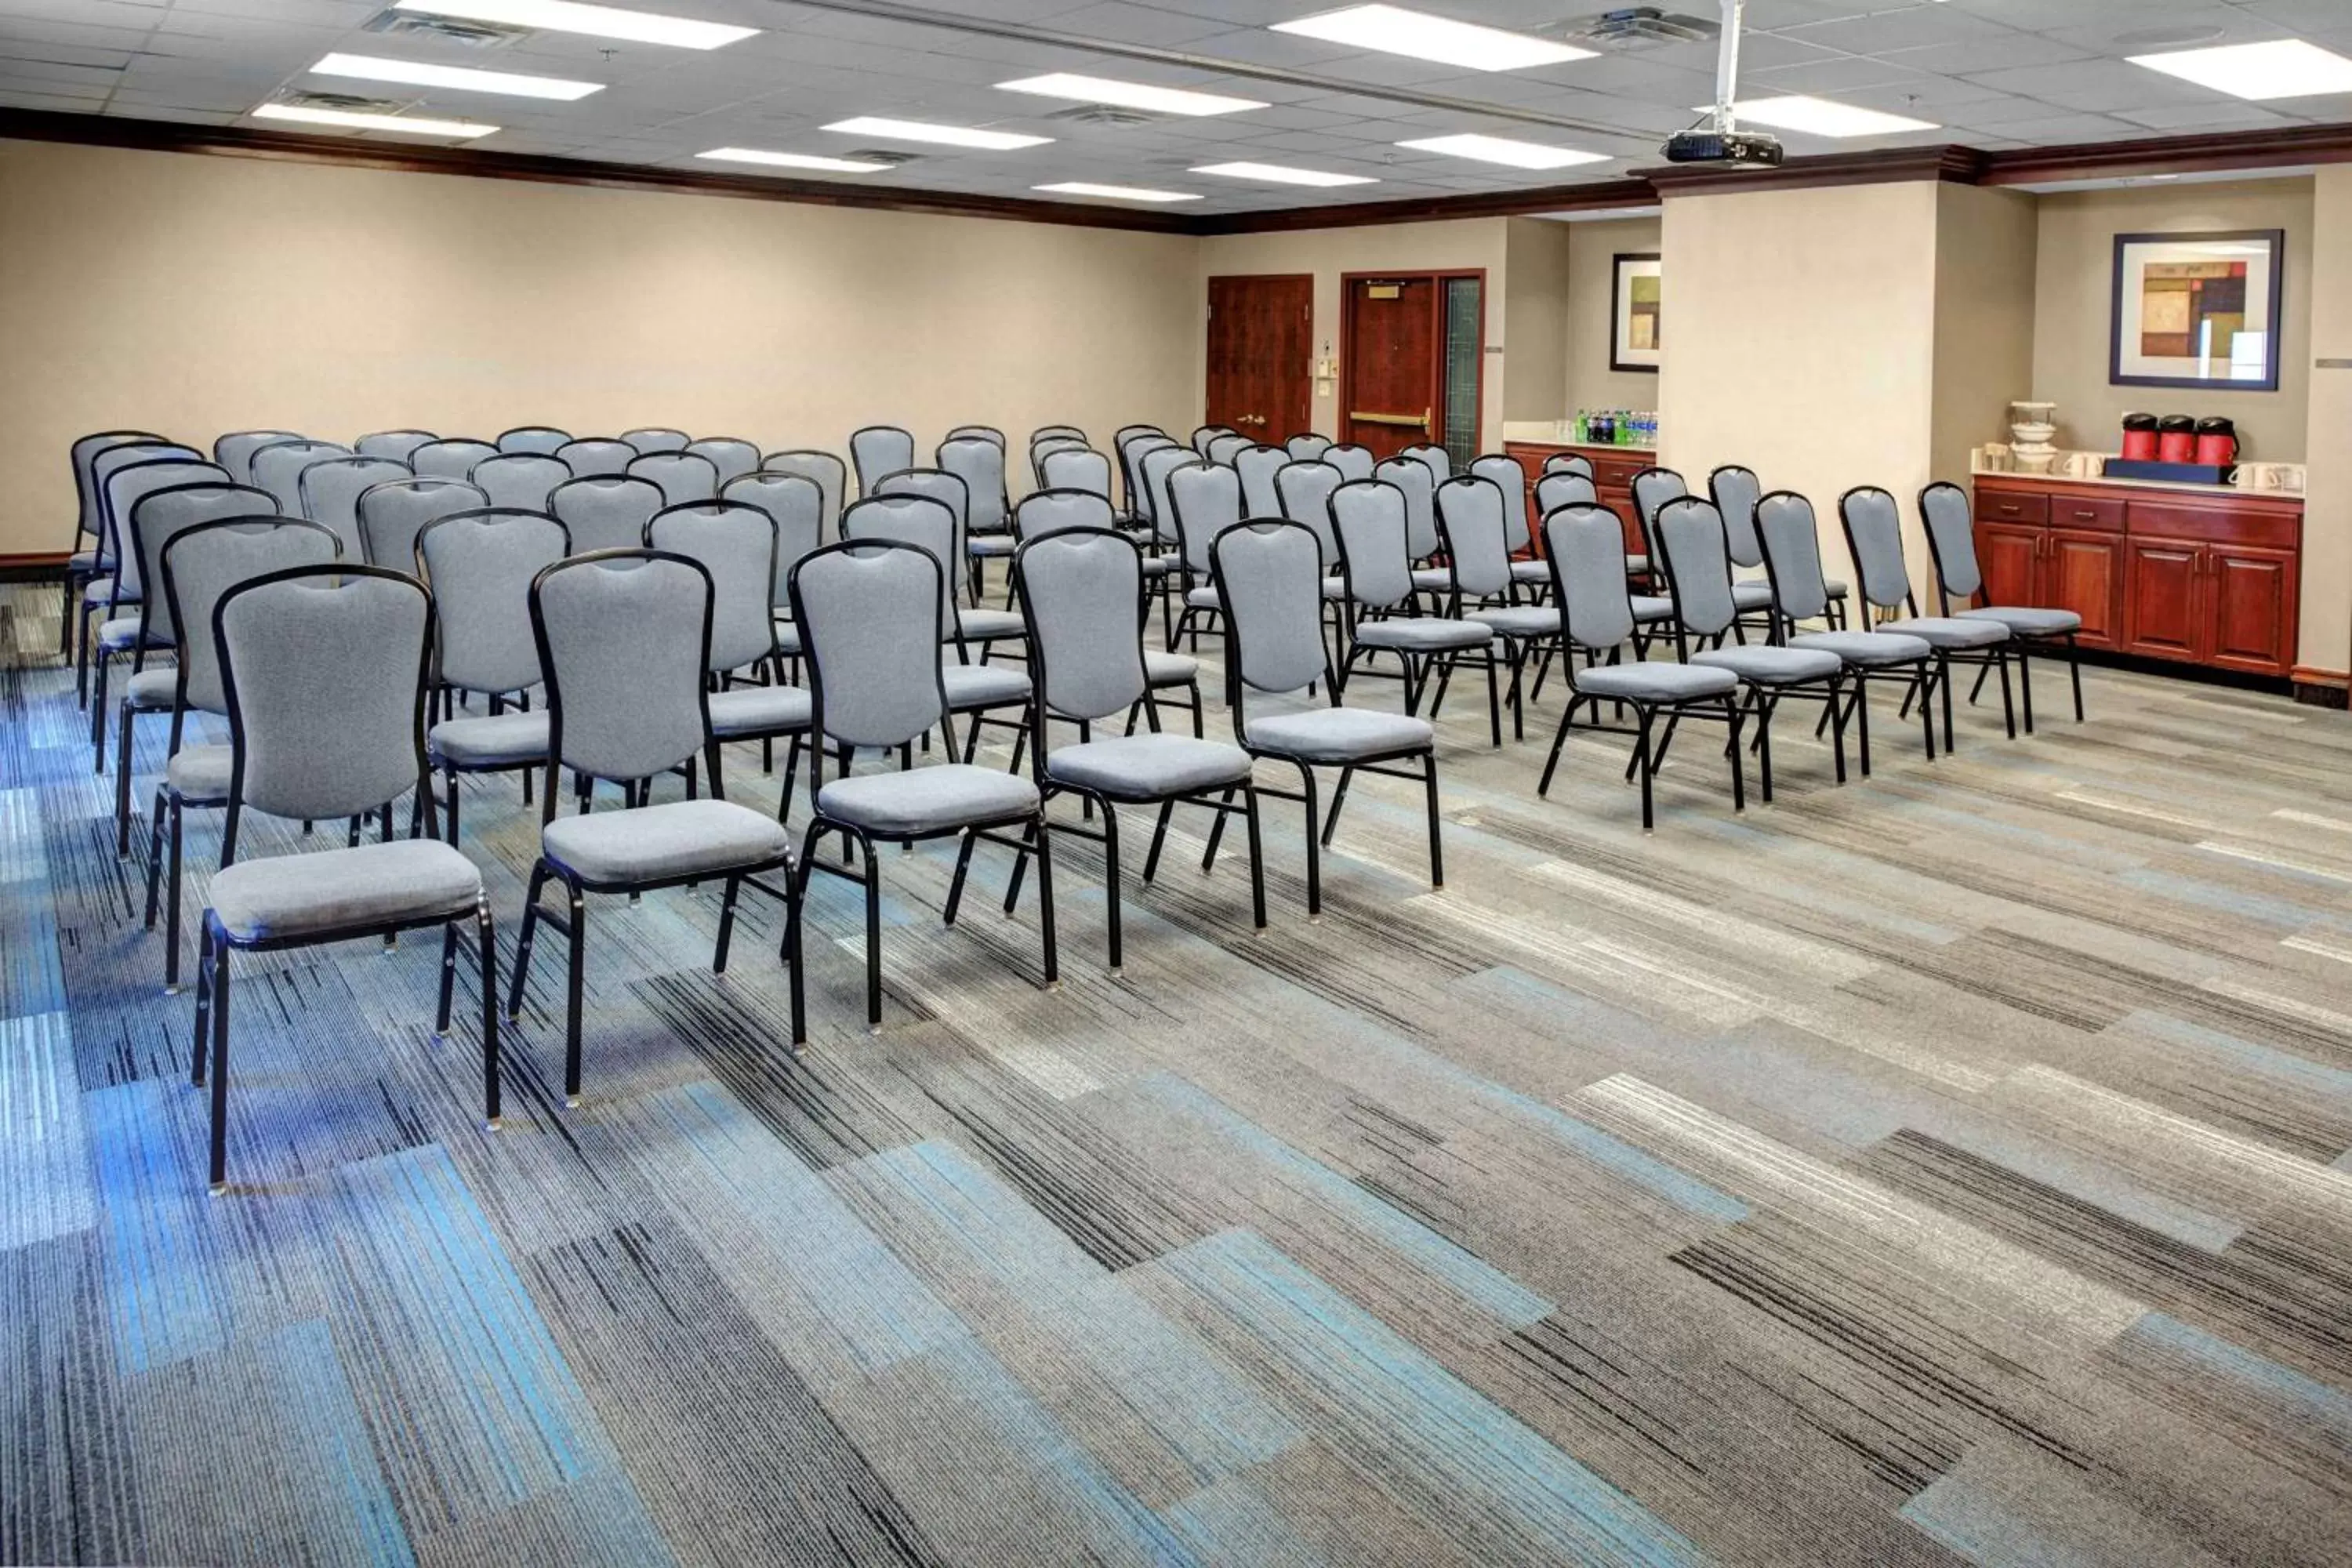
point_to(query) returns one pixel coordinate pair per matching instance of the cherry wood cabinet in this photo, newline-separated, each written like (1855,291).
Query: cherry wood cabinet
(1613,468)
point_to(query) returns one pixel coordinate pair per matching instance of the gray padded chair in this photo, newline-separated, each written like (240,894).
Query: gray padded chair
(121,626)
(1507,477)
(1951,539)
(1256,468)
(1429,456)
(597,457)
(1353,462)
(605,511)
(1417,482)
(1042,513)
(1204,500)
(480,565)
(1153,464)
(1269,576)
(1082,587)
(681,476)
(1133,449)
(103,596)
(520,482)
(877,686)
(87,560)
(1225,447)
(394,444)
(1202,435)
(200,565)
(324,672)
(1306,447)
(1569,463)
(830,474)
(392,513)
(1039,450)
(1075,469)
(234,450)
(1652,488)
(278,469)
(878,450)
(449,457)
(1473,519)
(796,503)
(540,440)
(1586,548)
(624,638)
(1786,532)
(733,456)
(977,432)
(1873,537)
(1369,518)
(651,438)
(1052,432)
(330,492)
(1697,564)
(979,462)
(975,626)
(1304,492)
(1735,491)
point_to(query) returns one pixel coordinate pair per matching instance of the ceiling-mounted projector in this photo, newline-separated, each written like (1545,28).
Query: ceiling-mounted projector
(1727,148)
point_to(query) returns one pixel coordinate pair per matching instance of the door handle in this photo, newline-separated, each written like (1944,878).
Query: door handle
(1411,421)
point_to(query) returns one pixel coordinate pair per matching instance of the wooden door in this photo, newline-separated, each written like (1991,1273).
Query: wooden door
(1395,347)
(2252,620)
(2008,555)
(2082,572)
(1261,353)
(2165,619)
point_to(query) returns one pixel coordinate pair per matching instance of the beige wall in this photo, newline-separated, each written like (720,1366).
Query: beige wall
(2075,288)
(1326,253)
(195,295)
(1593,249)
(1985,263)
(2325,628)
(1535,311)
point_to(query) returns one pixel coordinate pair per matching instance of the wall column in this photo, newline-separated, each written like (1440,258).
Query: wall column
(2323,635)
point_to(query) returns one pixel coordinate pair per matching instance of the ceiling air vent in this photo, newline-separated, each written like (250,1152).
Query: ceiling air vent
(347,102)
(1641,28)
(894,156)
(1109,114)
(444,30)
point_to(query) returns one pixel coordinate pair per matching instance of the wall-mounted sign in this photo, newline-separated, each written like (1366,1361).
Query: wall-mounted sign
(1634,338)
(2198,309)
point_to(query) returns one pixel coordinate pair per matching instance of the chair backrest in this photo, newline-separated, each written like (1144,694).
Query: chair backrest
(733,456)
(1586,545)
(1435,457)
(449,457)
(1042,513)
(203,562)
(654,438)
(871,684)
(1204,500)
(605,511)
(1304,490)
(795,503)
(330,492)
(394,444)
(1121,436)
(1697,559)
(1132,450)
(1654,488)
(977,432)
(234,450)
(1951,543)
(1874,536)
(736,544)
(1473,519)
(278,469)
(1221,447)
(1418,482)
(106,462)
(920,522)
(160,516)
(325,668)
(545,440)
(479,566)
(1368,523)
(1257,467)
(1082,594)
(979,462)
(1073,469)
(1569,463)
(1046,446)
(130,484)
(683,475)
(519,479)
(1306,447)
(623,640)
(1787,529)
(1507,477)
(82,453)
(1353,462)
(831,473)
(1558,487)
(597,455)
(1204,433)
(1270,580)
(948,489)
(1057,432)
(879,450)
(392,513)
(1155,467)
(1736,492)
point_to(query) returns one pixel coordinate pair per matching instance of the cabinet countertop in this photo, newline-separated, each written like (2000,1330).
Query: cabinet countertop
(2066,482)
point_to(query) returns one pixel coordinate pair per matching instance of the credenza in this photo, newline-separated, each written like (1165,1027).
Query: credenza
(1613,468)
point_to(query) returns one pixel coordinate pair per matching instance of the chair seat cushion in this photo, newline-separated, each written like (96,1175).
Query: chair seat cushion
(2027,620)
(1201,598)
(1867,648)
(1517,620)
(743,710)
(927,800)
(1637,565)
(199,775)
(788,638)
(1159,565)
(151,691)
(1337,735)
(1335,588)
(1833,586)
(987,625)
(289,897)
(1148,766)
(1762,666)
(494,740)
(1422,633)
(1751,593)
(1433,579)
(81,562)
(100,591)
(1530,571)
(117,634)
(1656,681)
(1948,631)
(663,843)
(990,545)
(971,686)
(1169,669)
(1648,607)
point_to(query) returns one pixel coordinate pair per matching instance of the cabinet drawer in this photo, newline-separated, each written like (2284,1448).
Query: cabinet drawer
(1617,473)
(2222,524)
(2103,514)
(2011,506)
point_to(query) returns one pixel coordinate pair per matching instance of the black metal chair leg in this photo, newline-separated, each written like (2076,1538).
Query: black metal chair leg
(154,852)
(122,787)
(1314,848)
(575,979)
(539,875)
(1559,739)
(872,937)
(726,924)
(1111,880)
(172,909)
(1738,783)
(1642,761)
(1256,852)
(487,939)
(219,1171)
(1339,799)
(1045,900)
(2008,710)
(2074,675)
(955,887)
(1436,838)
(448,980)
(1159,838)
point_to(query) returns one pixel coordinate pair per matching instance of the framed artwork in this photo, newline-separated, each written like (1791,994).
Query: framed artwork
(1635,341)
(2196,309)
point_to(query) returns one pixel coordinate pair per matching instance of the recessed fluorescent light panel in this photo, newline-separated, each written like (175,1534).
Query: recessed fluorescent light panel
(1392,30)
(597,21)
(368,67)
(406,124)
(945,136)
(1128,94)
(1820,117)
(796,161)
(1117,193)
(1282,174)
(1503,150)
(2287,67)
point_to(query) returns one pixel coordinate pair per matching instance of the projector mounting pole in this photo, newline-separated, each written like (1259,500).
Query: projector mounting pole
(1726,68)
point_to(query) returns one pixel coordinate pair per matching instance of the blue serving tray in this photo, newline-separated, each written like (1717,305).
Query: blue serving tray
(2170,473)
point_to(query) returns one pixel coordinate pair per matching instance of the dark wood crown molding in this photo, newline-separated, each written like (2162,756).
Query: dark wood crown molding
(1592,196)
(2291,147)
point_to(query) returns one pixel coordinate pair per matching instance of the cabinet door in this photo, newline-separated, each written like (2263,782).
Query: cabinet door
(2252,620)
(2008,555)
(2083,573)
(2162,596)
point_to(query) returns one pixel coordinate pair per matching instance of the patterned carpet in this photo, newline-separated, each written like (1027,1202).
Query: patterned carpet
(1947,1167)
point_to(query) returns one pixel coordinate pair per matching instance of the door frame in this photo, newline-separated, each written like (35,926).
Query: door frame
(1208,306)
(1436,276)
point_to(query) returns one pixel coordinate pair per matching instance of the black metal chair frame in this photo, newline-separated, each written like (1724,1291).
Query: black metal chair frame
(2020,641)
(1992,658)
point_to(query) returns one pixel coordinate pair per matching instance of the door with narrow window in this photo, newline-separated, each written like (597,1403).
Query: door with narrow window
(1261,346)
(1411,360)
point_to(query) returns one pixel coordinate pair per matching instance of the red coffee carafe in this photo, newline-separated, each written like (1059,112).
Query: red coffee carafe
(2176,439)
(2217,442)
(2139,437)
